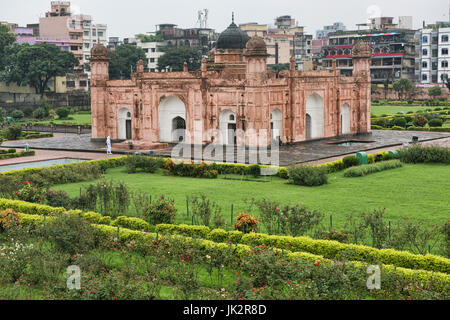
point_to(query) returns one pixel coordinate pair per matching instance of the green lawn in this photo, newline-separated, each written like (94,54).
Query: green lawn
(379,110)
(419,191)
(77,119)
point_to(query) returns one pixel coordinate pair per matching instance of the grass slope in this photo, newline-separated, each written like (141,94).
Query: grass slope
(413,191)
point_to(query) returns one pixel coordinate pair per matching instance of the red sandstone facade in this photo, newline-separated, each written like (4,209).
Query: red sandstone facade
(232,95)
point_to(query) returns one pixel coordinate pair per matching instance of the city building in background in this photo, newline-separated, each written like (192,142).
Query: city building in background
(75,33)
(283,41)
(393,50)
(337,26)
(433,54)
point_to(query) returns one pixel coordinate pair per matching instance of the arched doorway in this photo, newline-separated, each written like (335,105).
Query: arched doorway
(124,131)
(172,120)
(227,120)
(345,119)
(315,110)
(178,129)
(276,125)
(308,126)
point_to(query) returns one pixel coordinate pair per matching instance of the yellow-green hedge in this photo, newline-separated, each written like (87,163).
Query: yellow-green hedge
(326,248)
(29,208)
(442,280)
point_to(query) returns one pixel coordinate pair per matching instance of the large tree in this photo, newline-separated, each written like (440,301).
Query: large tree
(36,65)
(6,38)
(123,61)
(174,59)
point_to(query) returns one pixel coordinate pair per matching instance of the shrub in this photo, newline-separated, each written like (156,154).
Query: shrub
(375,127)
(397,128)
(246,223)
(147,164)
(308,176)
(372,168)
(203,209)
(181,169)
(30,194)
(297,220)
(350,161)
(269,213)
(399,122)
(420,121)
(58,198)
(131,223)
(13,132)
(283,173)
(161,210)
(254,170)
(17,115)
(63,112)
(8,218)
(70,234)
(435,122)
(40,113)
(424,154)
(28,111)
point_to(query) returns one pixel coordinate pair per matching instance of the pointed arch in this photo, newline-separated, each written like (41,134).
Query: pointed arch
(315,110)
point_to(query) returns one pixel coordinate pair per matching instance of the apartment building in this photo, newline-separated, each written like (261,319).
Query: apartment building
(92,34)
(433,55)
(393,50)
(283,41)
(153,50)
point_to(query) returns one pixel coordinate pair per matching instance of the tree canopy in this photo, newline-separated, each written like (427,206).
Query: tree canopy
(6,38)
(175,58)
(435,91)
(279,67)
(123,61)
(36,65)
(403,86)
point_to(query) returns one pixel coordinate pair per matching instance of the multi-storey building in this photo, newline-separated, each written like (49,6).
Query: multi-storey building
(284,41)
(92,34)
(393,50)
(153,50)
(433,54)
(60,27)
(337,26)
(113,43)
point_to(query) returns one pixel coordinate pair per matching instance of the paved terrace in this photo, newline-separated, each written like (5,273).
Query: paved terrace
(311,152)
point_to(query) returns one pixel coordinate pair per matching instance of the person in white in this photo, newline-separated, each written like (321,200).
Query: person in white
(108,145)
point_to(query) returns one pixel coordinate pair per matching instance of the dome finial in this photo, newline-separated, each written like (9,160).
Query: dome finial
(232,17)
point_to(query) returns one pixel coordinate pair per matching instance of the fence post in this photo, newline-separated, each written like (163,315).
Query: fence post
(192,219)
(187,207)
(389,231)
(232,205)
(331,222)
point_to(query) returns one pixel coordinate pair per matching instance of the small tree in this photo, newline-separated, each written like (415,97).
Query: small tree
(63,112)
(435,91)
(403,87)
(17,115)
(2,115)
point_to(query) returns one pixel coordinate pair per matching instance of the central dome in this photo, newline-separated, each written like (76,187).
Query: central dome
(232,38)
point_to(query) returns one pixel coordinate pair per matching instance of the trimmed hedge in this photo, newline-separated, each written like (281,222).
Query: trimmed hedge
(427,278)
(436,280)
(372,168)
(30,208)
(329,249)
(17,154)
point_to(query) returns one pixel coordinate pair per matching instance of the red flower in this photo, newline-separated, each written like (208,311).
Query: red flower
(27,182)
(115,298)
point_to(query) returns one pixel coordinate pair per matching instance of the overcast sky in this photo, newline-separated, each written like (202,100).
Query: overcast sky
(125,18)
